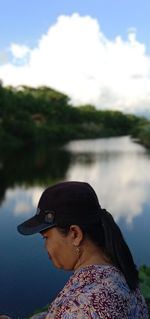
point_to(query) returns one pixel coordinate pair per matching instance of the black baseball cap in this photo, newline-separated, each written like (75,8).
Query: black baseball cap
(65,204)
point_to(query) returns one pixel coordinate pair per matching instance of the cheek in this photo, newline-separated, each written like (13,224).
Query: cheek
(68,257)
(61,253)
(48,246)
(53,248)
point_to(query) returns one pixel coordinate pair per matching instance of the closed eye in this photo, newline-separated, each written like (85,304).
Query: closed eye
(44,237)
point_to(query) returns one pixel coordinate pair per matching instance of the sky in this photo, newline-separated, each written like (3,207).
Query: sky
(95,51)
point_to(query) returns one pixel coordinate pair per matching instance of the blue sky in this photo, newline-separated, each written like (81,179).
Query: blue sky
(24,21)
(117,30)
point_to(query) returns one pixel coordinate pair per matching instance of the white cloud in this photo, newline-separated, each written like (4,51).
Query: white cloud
(19,51)
(75,57)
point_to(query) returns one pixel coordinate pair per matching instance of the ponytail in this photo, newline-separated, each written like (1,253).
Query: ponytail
(107,235)
(117,249)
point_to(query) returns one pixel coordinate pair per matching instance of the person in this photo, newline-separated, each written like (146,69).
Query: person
(83,237)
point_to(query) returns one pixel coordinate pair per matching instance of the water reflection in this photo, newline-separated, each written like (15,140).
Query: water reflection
(22,200)
(118,169)
(36,167)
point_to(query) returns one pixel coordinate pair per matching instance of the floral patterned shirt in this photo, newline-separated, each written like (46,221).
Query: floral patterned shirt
(98,292)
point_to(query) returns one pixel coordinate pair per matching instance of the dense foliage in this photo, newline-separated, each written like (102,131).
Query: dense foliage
(30,116)
(142,132)
(144,276)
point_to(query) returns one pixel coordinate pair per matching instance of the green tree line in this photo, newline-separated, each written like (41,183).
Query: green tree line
(31,116)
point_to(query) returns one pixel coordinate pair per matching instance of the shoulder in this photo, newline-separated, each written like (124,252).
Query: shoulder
(86,295)
(73,307)
(94,292)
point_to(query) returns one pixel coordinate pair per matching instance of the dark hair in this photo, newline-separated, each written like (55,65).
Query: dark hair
(107,235)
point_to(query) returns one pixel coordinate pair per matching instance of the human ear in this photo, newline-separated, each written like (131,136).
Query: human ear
(76,235)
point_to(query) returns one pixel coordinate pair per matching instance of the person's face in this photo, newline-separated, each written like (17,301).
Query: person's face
(60,248)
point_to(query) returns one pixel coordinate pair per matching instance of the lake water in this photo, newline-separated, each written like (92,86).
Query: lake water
(119,171)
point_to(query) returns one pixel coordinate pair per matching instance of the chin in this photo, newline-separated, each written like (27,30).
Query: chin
(57,265)
(62,267)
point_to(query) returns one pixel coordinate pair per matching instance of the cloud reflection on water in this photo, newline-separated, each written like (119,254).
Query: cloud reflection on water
(118,171)
(22,200)
(117,168)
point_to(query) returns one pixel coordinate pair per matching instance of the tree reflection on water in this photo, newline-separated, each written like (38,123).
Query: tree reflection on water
(31,167)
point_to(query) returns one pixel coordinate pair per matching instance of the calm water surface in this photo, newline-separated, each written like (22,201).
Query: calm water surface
(119,171)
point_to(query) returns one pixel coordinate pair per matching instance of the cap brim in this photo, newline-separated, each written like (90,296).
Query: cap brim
(33,226)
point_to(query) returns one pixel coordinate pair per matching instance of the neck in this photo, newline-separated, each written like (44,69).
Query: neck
(91,255)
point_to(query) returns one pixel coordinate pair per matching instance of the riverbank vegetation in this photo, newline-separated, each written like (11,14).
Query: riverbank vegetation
(141,133)
(144,276)
(33,116)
